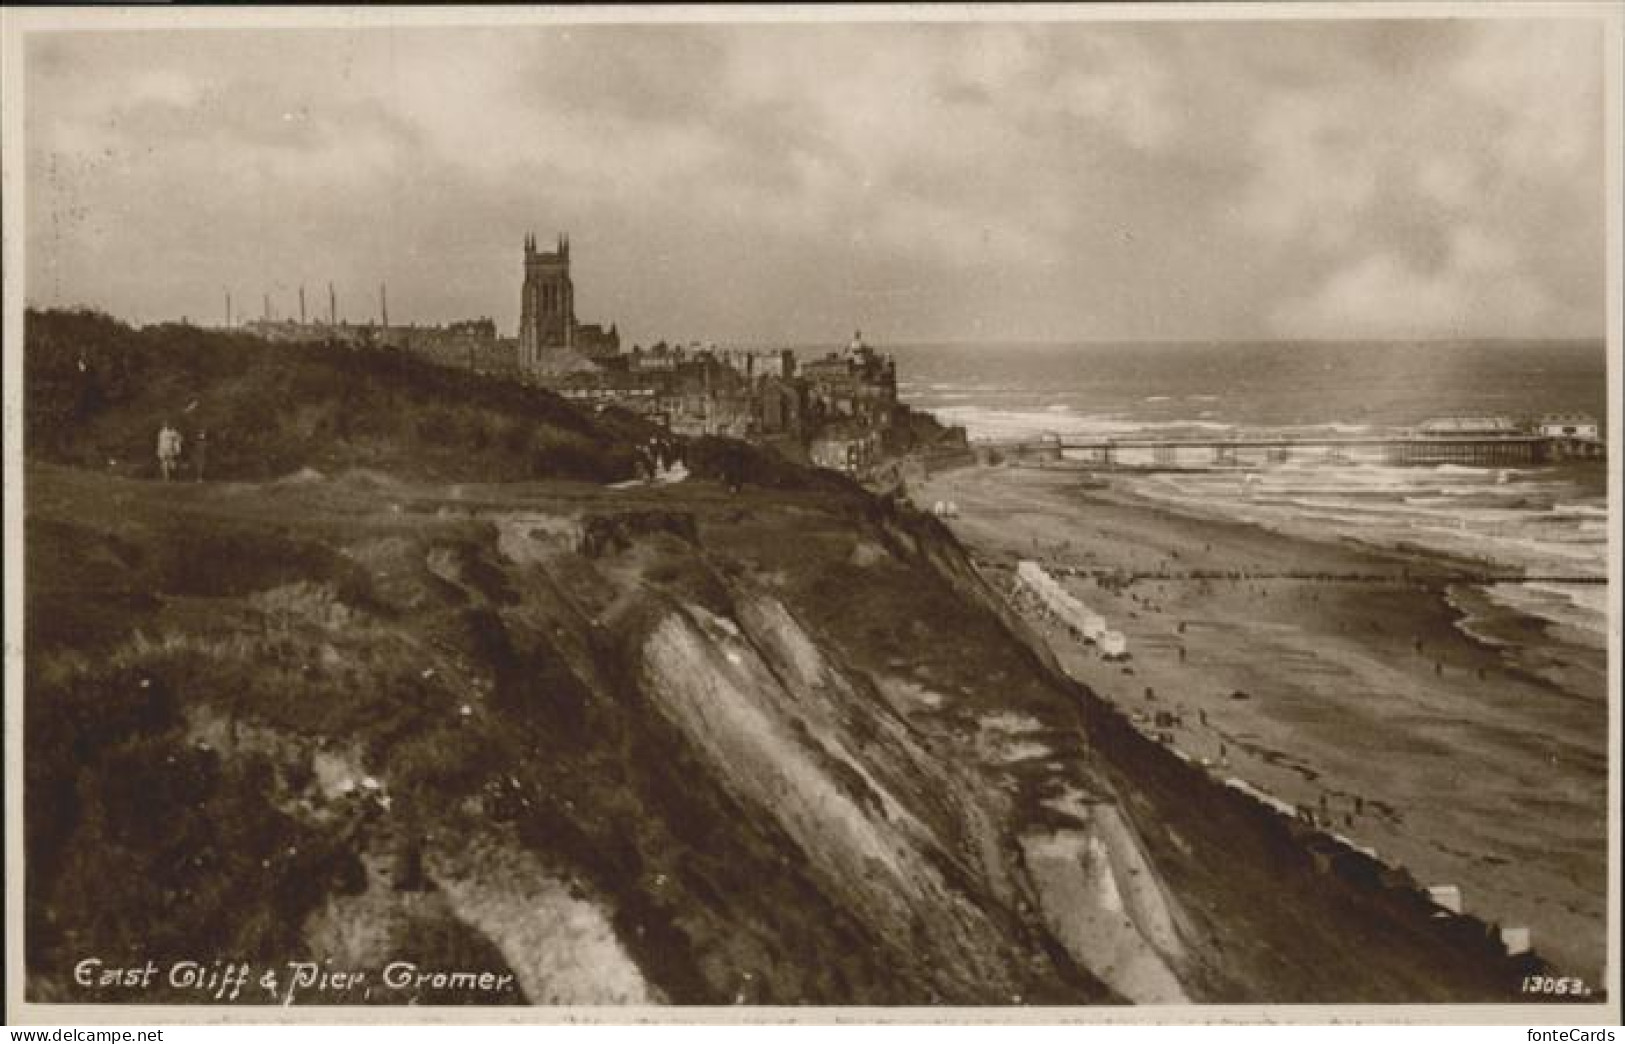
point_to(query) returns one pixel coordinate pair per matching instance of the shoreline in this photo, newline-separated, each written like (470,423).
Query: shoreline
(1363,701)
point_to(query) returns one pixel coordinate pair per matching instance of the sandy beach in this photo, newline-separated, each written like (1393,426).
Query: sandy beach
(1353,694)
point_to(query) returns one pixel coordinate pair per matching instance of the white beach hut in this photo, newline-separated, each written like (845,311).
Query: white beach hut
(1446,896)
(1071,612)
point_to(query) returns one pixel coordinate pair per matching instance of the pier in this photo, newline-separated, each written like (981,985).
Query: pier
(1173,452)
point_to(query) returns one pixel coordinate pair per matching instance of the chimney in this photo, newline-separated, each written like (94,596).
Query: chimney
(301,304)
(228,309)
(332,306)
(267,307)
(383,304)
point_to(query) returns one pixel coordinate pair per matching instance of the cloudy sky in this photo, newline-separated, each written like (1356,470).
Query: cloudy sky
(789,182)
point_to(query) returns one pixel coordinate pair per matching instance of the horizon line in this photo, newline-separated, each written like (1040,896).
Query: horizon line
(912,342)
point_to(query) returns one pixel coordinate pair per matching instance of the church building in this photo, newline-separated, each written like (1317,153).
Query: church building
(551,341)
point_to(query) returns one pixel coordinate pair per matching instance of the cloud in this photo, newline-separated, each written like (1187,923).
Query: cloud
(165,87)
(1480,282)
(1317,172)
(1019,180)
(1444,200)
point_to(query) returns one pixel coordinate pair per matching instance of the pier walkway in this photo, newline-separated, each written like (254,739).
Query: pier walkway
(1131,450)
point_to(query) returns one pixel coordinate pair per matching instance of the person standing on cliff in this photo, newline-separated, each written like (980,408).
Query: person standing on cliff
(169,451)
(200,449)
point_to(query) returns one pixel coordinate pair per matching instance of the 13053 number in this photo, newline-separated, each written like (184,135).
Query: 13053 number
(1557,987)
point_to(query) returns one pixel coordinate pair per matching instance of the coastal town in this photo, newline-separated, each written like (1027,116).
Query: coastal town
(837,410)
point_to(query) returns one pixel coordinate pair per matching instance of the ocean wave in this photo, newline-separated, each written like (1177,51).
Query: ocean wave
(1171,425)
(960,386)
(1543,553)
(1059,419)
(1517,539)
(1454,495)
(1317,429)
(983,423)
(1583,608)
(1591,599)
(1525,552)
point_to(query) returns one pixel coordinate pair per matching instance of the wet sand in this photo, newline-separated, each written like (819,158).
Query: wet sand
(1353,695)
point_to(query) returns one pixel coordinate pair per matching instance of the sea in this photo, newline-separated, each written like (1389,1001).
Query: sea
(1548,521)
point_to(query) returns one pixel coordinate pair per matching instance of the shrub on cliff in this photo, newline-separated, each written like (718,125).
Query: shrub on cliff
(736,463)
(145,845)
(97,390)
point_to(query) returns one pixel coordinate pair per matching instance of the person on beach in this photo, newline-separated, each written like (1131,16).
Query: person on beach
(169,451)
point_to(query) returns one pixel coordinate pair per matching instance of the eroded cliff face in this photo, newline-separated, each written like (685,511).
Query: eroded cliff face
(917,832)
(924,843)
(665,745)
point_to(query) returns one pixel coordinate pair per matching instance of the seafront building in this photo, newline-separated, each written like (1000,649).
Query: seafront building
(1459,427)
(1569,426)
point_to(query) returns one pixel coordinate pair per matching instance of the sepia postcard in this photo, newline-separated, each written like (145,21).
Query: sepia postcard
(873,513)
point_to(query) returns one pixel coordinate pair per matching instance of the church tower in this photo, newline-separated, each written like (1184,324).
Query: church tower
(547,318)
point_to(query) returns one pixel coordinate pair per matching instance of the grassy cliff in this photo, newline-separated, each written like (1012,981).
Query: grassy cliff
(98,391)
